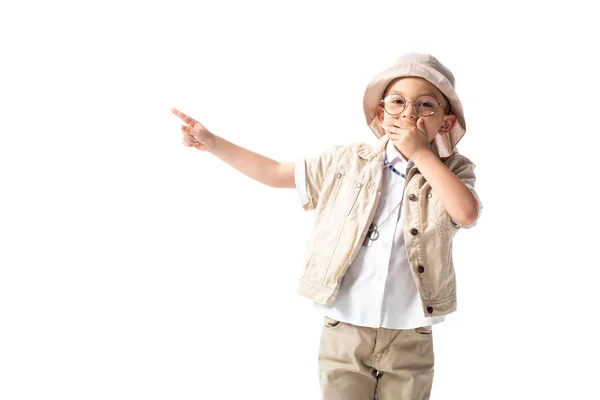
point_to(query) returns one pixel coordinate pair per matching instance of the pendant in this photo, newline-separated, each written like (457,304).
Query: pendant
(373,232)
(372,235)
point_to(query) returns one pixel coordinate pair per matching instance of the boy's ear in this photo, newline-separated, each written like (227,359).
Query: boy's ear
(449,122)
(380,112)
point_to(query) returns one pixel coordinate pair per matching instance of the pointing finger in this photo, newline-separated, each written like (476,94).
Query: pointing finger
(187,119)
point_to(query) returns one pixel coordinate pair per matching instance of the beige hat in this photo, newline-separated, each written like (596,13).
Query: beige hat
(428,67)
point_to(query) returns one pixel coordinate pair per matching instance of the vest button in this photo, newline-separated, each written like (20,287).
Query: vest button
(339,175)
(421,269)
(430,310)
(429,195)
(414,231)
(412,197)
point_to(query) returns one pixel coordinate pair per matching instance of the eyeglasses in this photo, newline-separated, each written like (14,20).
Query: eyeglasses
(425,106)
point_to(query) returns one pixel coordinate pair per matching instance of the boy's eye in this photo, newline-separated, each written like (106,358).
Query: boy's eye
(397,101)
(426,104)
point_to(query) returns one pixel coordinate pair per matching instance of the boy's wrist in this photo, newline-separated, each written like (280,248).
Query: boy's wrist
(212,143)
(421,154)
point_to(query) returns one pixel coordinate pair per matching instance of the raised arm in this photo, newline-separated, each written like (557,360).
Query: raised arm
(254,165)
(258,167)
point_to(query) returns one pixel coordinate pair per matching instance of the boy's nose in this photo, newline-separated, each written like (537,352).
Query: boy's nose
(409,112)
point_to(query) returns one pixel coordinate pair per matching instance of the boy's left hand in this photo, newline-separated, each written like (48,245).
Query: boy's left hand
(407,138)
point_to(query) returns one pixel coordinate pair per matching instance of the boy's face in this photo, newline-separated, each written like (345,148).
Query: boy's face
(411,90)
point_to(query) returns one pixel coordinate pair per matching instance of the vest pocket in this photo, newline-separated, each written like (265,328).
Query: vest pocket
(344,194)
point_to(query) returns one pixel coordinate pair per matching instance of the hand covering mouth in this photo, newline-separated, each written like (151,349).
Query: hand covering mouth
(404,124)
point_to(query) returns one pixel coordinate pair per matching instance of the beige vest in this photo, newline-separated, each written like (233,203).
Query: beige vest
(344,186)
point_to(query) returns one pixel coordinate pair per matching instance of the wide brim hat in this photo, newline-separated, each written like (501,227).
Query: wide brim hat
(429,68)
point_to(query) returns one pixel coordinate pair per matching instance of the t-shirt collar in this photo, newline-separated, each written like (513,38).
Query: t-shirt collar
(393,156)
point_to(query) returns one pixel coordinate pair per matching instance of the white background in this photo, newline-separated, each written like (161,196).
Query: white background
(132,267)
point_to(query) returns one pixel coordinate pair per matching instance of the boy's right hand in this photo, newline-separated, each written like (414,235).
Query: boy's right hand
(194,133)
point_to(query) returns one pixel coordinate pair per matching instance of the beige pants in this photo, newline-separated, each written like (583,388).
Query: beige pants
(359,363)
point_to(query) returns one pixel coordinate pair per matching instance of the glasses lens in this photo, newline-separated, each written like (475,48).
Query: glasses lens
(394,104)
(426,105)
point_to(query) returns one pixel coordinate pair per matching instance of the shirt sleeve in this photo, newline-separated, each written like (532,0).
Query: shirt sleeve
(310,174)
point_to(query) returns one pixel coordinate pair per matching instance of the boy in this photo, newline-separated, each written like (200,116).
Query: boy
(379,258)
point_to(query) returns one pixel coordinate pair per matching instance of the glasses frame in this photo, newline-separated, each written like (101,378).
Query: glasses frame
(437,106)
